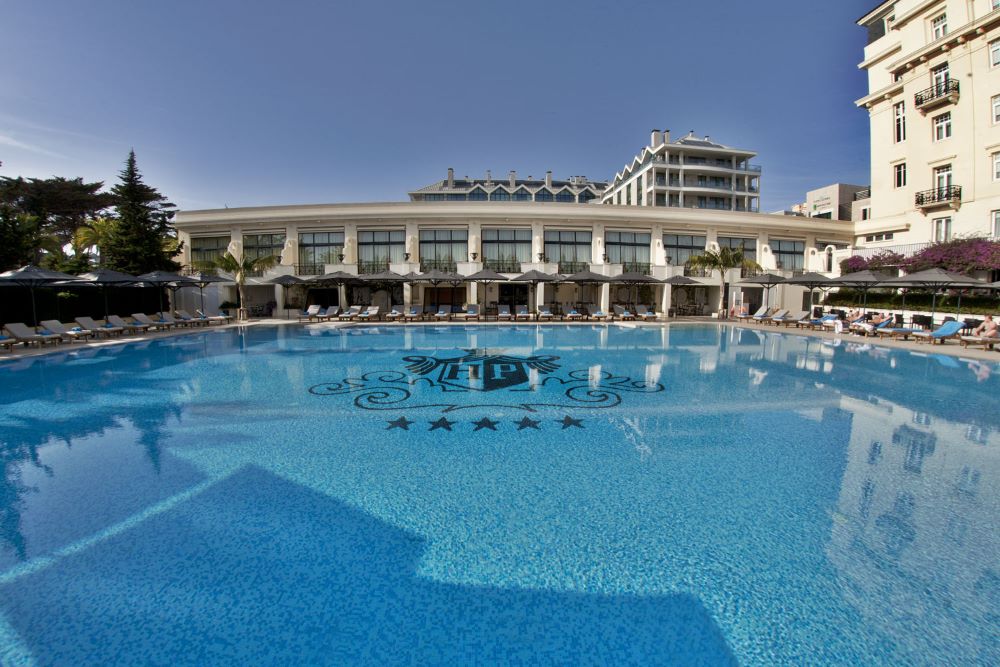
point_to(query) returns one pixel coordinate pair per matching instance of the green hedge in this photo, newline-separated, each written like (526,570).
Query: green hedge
(890,300)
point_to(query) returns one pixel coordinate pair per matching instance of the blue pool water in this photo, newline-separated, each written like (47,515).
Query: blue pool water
(481,495)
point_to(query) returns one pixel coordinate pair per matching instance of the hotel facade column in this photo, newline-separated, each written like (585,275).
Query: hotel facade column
(473,248)
(537,255)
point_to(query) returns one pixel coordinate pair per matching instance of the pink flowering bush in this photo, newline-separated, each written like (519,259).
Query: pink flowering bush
(960,255)
(880,262)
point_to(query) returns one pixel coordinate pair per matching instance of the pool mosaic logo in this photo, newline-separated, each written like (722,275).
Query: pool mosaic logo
(503,381)
(482,372)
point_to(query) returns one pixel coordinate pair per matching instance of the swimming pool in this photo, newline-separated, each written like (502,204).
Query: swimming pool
(482,494)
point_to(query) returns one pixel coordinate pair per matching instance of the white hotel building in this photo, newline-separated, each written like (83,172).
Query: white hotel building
(934,102)
(514,225)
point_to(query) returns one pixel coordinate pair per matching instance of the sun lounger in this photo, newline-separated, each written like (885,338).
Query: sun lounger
(790,318)
(471,312)
(644,313)
(986,341)
(503,312)
(775,317)
(58,328)
(328,313)
(766,315)
(159,324)
(371,312)
(350,313)
(573,314)
(817,323)
(170,319)
(310,313)
(185,316)
(599,314)
(7,341)
(623,314)
(443,313)
(185,319)
(25,334)
(412,314)
(872,330)
(107,329)
(760,313)
(130,327)
(221,316)
(395,313)
(521,313)
(545,313)
(947,330)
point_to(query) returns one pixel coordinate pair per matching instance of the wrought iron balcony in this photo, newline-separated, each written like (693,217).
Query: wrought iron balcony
(572,267)
(447,265)
(502,265)
(309,269)
(376,266)
(939,93)
(636,267)
(948,196)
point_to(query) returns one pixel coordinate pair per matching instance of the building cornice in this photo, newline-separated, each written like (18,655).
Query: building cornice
(953,39)
(881,55)
(916,11)
(394,213)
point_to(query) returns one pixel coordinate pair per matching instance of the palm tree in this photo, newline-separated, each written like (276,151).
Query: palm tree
(239,268)
(93,235)
(722,260)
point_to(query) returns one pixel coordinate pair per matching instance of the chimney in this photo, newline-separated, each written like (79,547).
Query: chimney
(707,138)
(666,136)
(655,138)
(548,179)
(451,177)
(512,177)
(691,134)
(489,176)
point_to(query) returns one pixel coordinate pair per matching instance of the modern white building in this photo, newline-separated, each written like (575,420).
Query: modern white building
(934,106)
(689,172)
(509,237)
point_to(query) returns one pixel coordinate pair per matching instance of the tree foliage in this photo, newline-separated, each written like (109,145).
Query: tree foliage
(241,266)
(20,237)
(141,239)
(722,260)
(59,205)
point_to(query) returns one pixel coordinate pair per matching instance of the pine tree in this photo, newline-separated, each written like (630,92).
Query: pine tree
(142,239)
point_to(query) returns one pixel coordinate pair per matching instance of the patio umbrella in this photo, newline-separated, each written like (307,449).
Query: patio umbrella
(765,280)
(336,279)
(862,280)
(203,280)
(32,276)
(937,279)
(486,276)
(812,281)
(285,281)
(634,279)
(164,279)
(678,281)
(534,277)
(105,278)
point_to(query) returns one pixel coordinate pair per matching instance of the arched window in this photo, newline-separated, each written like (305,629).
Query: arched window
(543,195)
(478,194)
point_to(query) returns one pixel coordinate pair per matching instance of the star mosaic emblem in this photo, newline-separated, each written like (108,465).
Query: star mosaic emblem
(528,422)
(402,423)
(485,422)
(568,421)
(441,423)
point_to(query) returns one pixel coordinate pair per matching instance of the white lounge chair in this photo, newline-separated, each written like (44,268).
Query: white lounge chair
(623,314)
(130,327)
(395,313)
(310,313)
(521,313)
(221,316)
(471,312)
(185,316)
(545,313)
(350,313)
(412,313)
(371,312)
(143,318)
(107,329)
(57,327)
(443,313)
(643,313)
(25,334)
(503,312)
(331,313)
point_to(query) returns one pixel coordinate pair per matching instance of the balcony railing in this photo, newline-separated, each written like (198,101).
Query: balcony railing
(310,269)
(697,272)
(905,249)
(939,93)
(572,267)
(939,196)
(377,266)
(502,265)
(447,265)
(636,267)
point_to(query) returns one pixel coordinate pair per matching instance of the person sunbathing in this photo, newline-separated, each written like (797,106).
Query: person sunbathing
(876,320)
(987,329)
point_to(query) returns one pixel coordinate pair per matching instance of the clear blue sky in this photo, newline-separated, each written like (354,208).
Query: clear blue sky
(241,103)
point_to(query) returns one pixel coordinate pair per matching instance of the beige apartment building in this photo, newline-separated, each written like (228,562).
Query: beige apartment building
(934,103)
